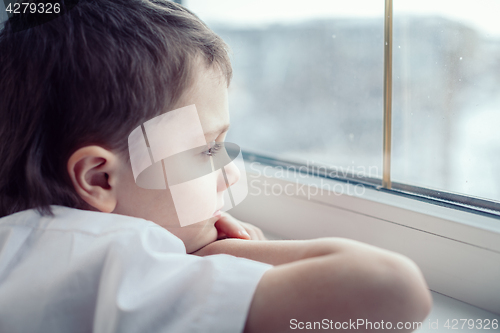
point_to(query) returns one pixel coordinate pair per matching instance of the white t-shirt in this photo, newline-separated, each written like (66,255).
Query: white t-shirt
(84,271)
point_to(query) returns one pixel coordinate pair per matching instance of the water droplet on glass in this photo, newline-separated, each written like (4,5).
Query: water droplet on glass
(460,58)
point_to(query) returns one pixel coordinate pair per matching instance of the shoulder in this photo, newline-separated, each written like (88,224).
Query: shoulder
(89,227)
(123,273)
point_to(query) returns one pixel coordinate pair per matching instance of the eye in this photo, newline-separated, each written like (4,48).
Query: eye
(212,151)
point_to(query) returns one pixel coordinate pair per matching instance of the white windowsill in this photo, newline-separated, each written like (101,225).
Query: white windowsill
(458,252)
(446,309)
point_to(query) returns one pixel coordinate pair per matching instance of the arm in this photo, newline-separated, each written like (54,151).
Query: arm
(275,252)
(329,278)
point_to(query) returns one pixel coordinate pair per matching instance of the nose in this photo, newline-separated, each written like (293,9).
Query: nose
(232,175)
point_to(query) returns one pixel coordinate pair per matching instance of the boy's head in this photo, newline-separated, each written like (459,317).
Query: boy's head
(73,89)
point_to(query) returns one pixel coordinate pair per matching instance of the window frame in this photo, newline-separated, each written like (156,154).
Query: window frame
(460,201)
(438,197)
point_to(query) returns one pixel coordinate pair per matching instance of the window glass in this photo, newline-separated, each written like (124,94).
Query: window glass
(3,15)
(446,96)
(308,78)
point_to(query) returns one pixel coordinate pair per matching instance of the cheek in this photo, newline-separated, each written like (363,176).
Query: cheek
(195,200)
(152,205)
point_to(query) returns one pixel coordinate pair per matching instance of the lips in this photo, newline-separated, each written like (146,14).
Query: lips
(218,210)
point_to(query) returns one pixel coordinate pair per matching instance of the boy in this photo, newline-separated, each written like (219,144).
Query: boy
(107,255)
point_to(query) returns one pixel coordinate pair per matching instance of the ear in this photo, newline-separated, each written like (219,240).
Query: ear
(94,173)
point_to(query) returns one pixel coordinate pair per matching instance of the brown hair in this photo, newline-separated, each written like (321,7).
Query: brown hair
(87,77)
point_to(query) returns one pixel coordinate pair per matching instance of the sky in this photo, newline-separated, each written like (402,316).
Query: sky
(479,14)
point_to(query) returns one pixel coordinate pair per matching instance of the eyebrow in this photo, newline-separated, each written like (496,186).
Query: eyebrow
(221,130)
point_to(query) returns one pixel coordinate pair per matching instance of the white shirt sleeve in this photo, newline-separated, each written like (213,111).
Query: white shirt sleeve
(95,272)
(145,289)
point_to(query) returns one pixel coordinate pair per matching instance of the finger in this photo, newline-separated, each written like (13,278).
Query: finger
(231,227)
(221,235)
(261,234)
(258,234)
(254,231)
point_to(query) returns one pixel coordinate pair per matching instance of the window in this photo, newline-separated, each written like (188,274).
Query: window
(307,79)
(3,15)
(446,101)
(308,88)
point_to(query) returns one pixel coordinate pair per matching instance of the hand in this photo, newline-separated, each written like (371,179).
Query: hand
(229,227)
